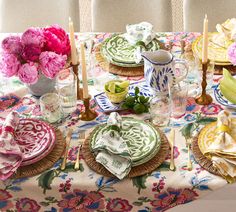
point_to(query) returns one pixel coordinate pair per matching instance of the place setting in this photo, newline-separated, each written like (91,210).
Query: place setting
(121,53)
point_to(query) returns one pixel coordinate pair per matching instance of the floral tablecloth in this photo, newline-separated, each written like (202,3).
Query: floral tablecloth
(85,190)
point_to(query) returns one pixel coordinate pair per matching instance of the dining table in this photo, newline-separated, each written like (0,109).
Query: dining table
(86,190)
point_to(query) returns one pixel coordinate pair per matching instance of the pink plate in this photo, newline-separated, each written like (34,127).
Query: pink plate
(35,138)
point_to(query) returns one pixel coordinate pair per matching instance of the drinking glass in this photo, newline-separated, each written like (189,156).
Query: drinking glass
(179,95)
(66,86)
(160,109)
(50,107)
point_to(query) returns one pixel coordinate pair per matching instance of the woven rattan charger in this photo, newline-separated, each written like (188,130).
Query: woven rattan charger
(122,71)
(202,160)
(142,169)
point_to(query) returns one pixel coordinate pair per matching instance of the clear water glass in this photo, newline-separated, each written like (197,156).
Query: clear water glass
(50,107)
(66,86)
(160,109)
(179,95)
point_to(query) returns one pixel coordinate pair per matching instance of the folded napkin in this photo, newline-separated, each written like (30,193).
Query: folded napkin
(111,150)
(228,29)
(10,153)
(139,35)
(223,150)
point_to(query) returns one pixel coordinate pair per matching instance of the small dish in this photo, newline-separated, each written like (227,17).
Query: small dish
(116,97)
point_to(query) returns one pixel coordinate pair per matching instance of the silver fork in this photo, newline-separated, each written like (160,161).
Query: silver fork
(189,164)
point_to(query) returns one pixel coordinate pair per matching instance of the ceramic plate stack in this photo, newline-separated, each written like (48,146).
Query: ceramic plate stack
(118,51)
(216,52)
(142,139)
(36,140)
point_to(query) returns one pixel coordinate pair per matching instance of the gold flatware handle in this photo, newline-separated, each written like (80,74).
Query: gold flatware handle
(172,163)
(68,138)
(189,165)
(172,143)
(76,166)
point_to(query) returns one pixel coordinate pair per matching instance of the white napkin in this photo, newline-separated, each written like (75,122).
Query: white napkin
(111,150)
(142,32)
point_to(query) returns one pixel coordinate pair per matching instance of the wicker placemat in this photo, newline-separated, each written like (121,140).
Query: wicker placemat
(45,163)
(219,69)
(145,168)
(202,160)
(122,71)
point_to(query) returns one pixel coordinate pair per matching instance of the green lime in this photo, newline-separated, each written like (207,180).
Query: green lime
(119,89)
(123,84)
(112,87)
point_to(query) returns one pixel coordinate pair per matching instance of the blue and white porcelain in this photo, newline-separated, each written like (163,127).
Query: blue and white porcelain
(105,104)
(161,69)
(221,99)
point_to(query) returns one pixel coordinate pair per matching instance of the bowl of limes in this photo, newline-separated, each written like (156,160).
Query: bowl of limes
(116,90)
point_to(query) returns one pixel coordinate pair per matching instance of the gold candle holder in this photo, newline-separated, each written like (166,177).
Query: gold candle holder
(88,114)
(76,72)
(204,99)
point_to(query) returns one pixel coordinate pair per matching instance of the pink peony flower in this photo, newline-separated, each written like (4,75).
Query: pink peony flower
(9,64)
(232,53)
(31,52)
(33,36)
(56,40)
(12,45)
(28,73)
(51,63)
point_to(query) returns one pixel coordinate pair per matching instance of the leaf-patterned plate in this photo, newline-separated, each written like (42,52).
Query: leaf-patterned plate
(221,99)
(107,106)
(142,139)
(118,51)
(208,133)
(216,52)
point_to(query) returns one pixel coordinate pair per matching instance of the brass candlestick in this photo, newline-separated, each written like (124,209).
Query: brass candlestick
(204,99)
(88,114)
(79,90)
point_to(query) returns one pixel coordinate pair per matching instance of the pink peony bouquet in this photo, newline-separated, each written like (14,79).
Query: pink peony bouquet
(232,53)
(37,50)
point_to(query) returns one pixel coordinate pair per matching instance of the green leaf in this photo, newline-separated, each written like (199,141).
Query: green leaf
(164,167)
(45,204)
(139,182)
(45,180)
(130,101)
(139,108)
(187,130)
(49,198)
(141,99)
(81,167)
(124,106)
(206,120)
(69,167)
(137,203)
(136,91)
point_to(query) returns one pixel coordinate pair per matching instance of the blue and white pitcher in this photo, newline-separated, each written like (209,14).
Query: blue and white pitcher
(161,69)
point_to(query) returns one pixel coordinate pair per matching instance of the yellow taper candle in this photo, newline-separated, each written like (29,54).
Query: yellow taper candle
(84,72)
(205,41)
(74,58)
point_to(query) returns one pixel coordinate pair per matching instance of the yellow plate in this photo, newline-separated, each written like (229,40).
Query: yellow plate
(208,133)
(215,52)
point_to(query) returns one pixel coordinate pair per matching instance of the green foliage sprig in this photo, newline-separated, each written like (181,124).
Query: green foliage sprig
(138,103)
